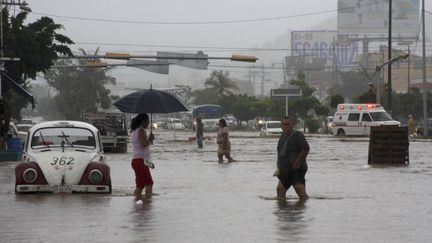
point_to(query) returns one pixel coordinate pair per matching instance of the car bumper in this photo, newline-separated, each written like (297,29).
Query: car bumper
(74,188)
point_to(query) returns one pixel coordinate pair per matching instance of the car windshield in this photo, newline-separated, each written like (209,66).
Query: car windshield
(273,124)
(63,136)
(380,116)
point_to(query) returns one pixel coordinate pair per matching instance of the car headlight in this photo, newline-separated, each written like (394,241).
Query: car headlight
(30,175)
(95,176)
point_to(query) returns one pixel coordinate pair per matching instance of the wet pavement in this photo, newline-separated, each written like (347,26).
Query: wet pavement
(199,200)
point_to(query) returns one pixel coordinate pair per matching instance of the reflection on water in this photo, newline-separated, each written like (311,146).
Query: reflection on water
(142,221)
(202,201)
(290,223)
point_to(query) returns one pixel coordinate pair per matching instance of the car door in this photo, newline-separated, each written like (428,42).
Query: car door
(353,124)
(366,123)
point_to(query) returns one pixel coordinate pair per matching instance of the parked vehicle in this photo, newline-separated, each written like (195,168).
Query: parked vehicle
(63,156)
(26,120)
(24,127)
(210,115)
(357,119)
(420,128)
(328,124)
(260,121)
(113,130)
(175,124)
(13,132)
(231,120)
(271,128)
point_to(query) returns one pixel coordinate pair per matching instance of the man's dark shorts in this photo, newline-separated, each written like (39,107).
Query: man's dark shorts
(293,178)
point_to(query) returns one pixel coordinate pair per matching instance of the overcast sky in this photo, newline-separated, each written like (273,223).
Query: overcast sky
(245,34)
(145,26)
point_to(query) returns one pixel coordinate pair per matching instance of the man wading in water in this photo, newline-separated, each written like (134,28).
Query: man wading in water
(291,165)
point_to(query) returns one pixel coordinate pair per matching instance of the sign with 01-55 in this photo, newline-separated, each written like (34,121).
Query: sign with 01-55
(62,160)
(323,44)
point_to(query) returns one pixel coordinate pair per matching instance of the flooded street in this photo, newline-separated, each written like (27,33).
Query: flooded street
(199,200)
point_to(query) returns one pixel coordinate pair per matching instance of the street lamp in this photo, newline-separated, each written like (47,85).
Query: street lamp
(23,6)
(378,68)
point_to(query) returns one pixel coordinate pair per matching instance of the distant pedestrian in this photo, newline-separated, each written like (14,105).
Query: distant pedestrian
(199,132)
(292,151)
(224,145)
(141,162)
(411,126)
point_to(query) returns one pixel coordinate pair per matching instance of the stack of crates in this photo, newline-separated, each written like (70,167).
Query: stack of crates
(388,145)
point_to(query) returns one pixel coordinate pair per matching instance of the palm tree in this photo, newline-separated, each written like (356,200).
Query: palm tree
(221,83)
(97,79)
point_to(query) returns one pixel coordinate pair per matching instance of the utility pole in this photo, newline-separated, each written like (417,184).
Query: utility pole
(366,53)
(425,115)
(389,77)
(1,50)
(409,70)
(262,80)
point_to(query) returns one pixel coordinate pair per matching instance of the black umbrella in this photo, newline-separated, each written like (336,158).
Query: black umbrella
(149,101)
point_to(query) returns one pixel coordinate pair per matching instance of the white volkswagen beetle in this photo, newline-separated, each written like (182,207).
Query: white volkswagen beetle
(63,156)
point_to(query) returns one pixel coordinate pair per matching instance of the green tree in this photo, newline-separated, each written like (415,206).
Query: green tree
(37,44)
(185,94)
(205,96)
(80,89)
(302,105)
(353,85)
(47,108)
(367,97)
(335,100)
(221,83)
(244,108)
(409,103)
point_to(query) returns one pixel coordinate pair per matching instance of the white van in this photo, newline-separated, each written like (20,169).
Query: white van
(356,119)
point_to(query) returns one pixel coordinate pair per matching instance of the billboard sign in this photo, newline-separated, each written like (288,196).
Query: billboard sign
(323,45)
(370,18)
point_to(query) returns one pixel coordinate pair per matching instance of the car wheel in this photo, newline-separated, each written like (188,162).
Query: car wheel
(340,132)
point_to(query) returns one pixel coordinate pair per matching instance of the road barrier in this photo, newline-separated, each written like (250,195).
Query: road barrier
(388,145)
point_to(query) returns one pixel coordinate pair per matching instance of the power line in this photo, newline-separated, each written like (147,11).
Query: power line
(216,48)
(187,23)
(185,47)
(201,22)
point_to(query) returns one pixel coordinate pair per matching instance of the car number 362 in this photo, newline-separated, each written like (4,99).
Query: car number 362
(62,160)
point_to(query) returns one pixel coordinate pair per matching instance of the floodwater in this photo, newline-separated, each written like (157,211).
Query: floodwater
(199,200)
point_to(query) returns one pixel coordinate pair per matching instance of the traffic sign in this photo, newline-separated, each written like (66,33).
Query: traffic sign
(286,92)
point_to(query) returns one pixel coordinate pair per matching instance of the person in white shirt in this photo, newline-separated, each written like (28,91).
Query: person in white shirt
(141,162)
